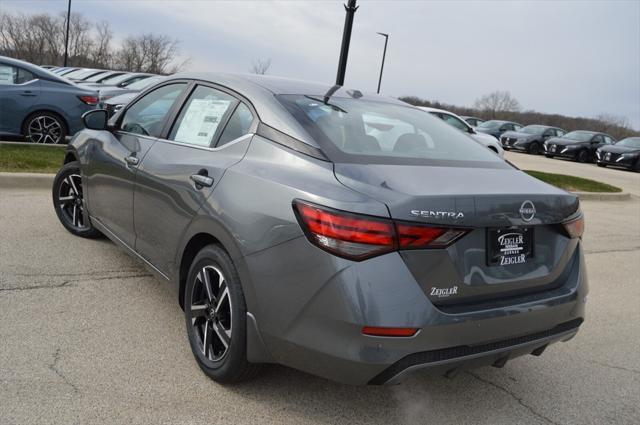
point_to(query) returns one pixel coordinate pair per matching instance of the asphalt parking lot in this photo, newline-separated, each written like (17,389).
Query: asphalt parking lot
(88,336)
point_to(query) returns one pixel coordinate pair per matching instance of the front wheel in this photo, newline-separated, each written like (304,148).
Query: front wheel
(216,317)
(69,203)
(582,156)
(600,164)
(534,148)
(548,156)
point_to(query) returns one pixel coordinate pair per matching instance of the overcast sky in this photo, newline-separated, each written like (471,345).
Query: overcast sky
(577,58)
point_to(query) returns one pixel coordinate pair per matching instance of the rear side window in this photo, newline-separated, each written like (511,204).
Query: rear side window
(200,119)
(10,75)
(239,124)
(147,115)
(366,131)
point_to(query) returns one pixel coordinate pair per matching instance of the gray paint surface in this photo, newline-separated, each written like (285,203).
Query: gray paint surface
(309,306)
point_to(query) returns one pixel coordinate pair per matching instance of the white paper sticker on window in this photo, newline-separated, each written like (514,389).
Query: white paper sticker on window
(201,121)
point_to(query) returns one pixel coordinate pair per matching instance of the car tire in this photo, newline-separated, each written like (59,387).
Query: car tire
(582,156)
(45,128)
(533,148)
(216,318)
(601,164)
(636,168)
(69,203)
(548,156)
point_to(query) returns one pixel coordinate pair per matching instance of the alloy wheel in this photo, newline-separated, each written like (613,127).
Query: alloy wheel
(44,129)
(70,198)
(211,313)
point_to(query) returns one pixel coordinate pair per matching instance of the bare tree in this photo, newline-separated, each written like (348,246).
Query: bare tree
(40,39)
(260,66)
(101,55)
(497,102)
(149,53)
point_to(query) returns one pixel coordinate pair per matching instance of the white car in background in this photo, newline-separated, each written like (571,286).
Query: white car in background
(453,119)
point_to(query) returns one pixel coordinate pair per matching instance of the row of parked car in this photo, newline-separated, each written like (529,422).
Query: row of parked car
(580,145)
(44,104)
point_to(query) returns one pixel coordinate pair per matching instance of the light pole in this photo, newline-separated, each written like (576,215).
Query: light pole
(350,9)
(66,38)
(384,53)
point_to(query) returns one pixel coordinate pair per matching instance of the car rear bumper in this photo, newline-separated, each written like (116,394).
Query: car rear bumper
(450,361)
(314,323)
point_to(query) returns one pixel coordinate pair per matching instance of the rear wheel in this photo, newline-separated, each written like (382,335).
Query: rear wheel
(636,168)
(68,201)
(534,148)
(44,127)
(582,156)
(216,317)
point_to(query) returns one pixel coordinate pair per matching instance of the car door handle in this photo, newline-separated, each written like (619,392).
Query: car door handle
(131,160)
(27,93)
(201,180)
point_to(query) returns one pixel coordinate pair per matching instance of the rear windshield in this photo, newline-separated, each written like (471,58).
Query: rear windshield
(357,130)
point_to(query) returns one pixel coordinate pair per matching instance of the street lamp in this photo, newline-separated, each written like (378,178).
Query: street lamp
(384,53)
(350,9)
(66,38)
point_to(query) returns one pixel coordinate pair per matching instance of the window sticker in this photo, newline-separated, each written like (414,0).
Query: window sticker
(201,121)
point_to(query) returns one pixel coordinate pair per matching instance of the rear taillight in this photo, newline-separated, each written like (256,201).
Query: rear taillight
(346,235)
(358,236)
(89,100)
(575,227)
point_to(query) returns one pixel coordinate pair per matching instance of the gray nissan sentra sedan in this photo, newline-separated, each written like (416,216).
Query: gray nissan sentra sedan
(347,235)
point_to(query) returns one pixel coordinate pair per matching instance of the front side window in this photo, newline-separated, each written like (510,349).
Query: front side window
(560,133)
(608,140)
(200,118)
(365,131)
(239,124)
(598,139)
(147,115)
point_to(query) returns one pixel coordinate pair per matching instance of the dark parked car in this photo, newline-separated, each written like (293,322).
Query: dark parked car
(578,145)
(120,81)
(625,153)
(99,78)
(85,74)
(40,105)
(125,94)
(530,138)
(65,70)
(497,127)
(291,234)
(473,121)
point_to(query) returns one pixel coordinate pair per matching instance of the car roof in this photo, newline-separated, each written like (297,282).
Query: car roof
(260,91)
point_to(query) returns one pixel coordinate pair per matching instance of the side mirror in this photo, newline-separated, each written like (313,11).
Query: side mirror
(96,119)
(472,130)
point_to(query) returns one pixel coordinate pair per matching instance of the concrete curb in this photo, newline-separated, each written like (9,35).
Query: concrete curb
(45,181)
(594,196)
(26,181)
